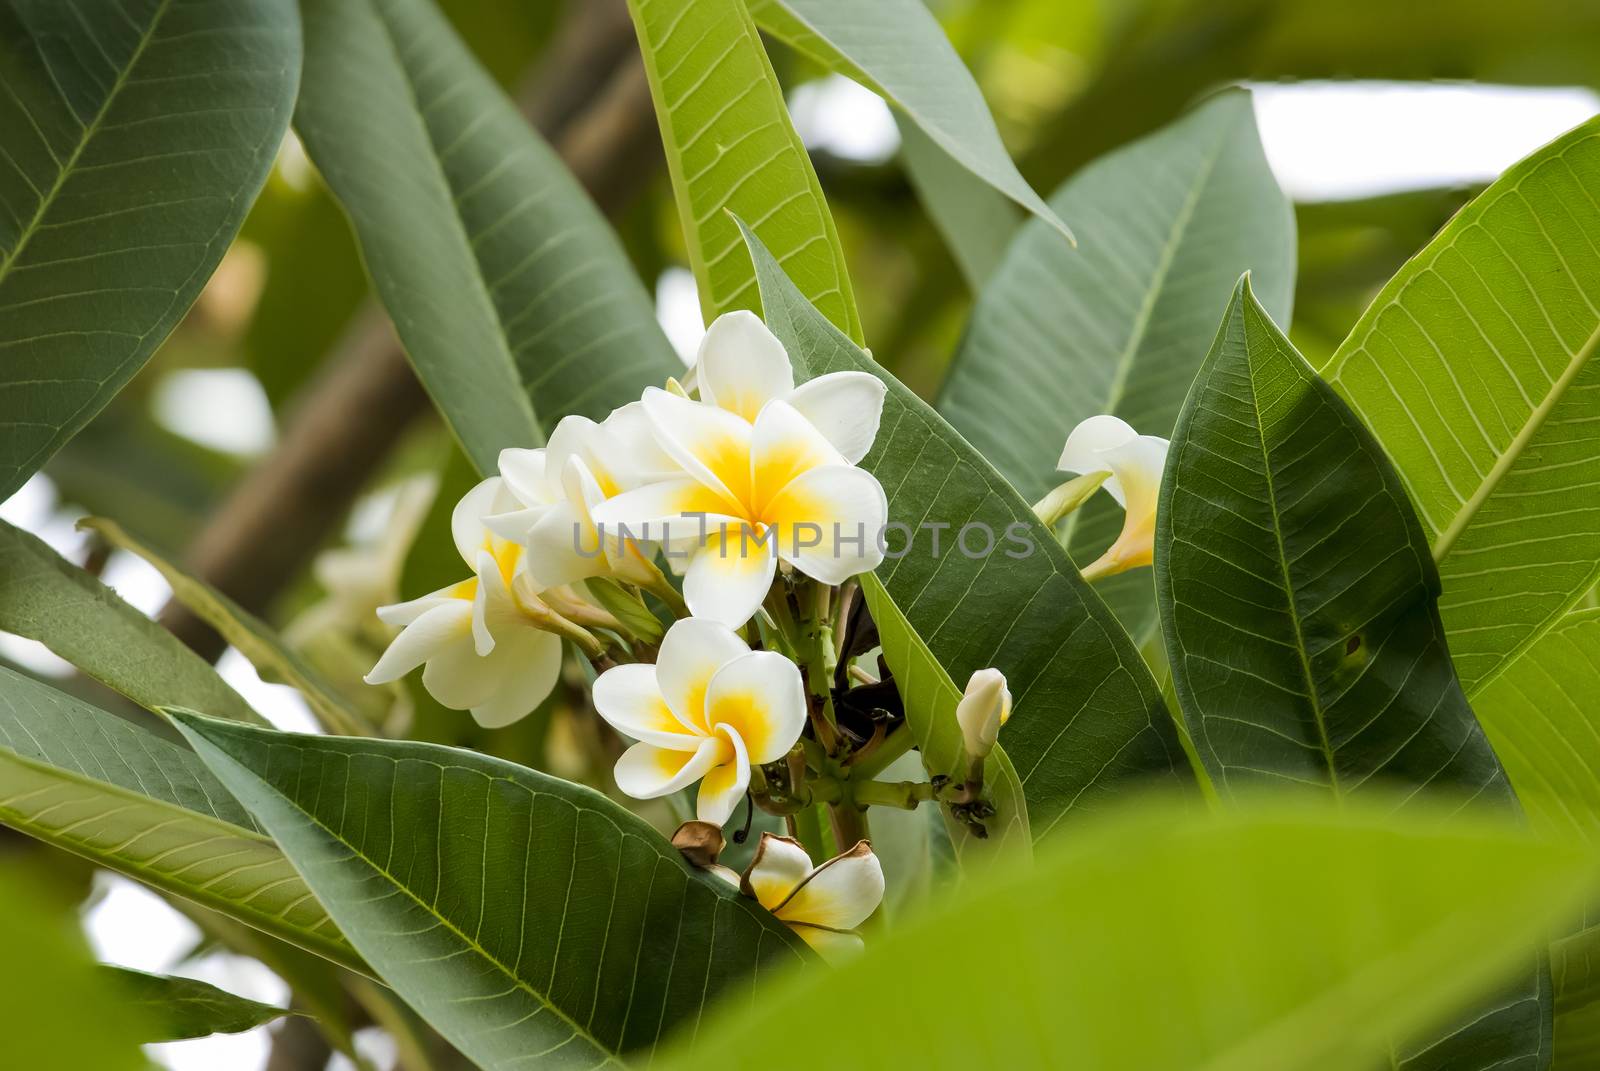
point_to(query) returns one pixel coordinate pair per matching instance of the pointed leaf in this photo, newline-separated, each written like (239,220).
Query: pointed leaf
(174,1009)
(134,136)
(731,149)
(1298,609)
(976,223)
(1475,368)
(1282,937)
(1088,720)
(1575,968)
(524,917)
(512,296)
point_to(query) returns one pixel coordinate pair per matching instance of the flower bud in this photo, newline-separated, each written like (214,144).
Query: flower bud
(982,710)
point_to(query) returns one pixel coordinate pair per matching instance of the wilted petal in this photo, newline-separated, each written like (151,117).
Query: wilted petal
(783,445)
(712,445)
(846,407)
(724,784)
(525,666)
(830,521)
(760,696)
(729,576)
(647,772)
(778,865)
(742,366)
(839,894)
(691,653)
(436,628)
(630,701)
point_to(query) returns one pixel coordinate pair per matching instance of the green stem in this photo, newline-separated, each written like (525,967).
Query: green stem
(849,824)
(806,827)
(878,759)
(906,795)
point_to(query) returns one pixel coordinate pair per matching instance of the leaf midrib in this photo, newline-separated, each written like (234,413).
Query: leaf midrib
(84,138)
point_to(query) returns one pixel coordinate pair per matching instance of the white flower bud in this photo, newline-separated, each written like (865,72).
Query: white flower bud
(982,710)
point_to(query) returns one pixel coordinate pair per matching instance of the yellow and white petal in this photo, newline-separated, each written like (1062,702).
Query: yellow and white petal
(778,865)
(730,575)
(625,454)
(435,629)
(403,613)
(712,444)
(1137,465)
(742,366)
(525,666)
(514,525)
(630,701)
(833,946)
(1086,447)
(564,548)
(783,445)
(839,894)
(846,407)
(455,676)
(494,609)
(691,653)
(573,436)
(466,520)
(830,522)
(761,697)
(724,784)
(647,772)
(656,512)
(527,477)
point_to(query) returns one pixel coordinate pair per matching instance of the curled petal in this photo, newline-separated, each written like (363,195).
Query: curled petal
(1086,446)
(761,697)
(830,522)
(742,366)
(630,701)
(778,865)
(691,653)
(466,520)
(647,772)
(838,895)
(724,784)
(846,407)
(436,628)
(730,574)
(525,667)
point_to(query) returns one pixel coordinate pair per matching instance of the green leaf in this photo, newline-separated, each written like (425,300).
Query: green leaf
(134,137)
(930,699)
(264,648)
(513,298)
(1540,716)
(1120,325)
(1283,937)
(175,1009)
(897,49)
(521,915)
(731,149)
(1575,968)
(1298,608)
(1088,719)
(1474,369)
(976,223)
(130,800)
(46,598)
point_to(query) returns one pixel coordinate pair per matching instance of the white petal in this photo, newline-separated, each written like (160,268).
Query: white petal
(691,653)
(782,446)
(403,613)
(742,366)
(524,473)
(526,666)
(455,676)
(419,641)
(831,945)
(840,893)
(724,784)
(563,548)
(647,772)
(844,406)
(778,865)
(625,453)
(830,522)
(494,610)
(656,512)
(574,437)
(514,525)
(630,701)
(730,575)
(1137,465)
(1086,444)
(712,444)
(466,520)
(761,697)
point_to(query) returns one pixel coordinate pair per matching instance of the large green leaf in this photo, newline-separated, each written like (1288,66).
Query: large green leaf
(1298,609)
(265,649)
(930,698)
(174,1009)
(731,149)
(1474,368)
(1281,938)
(46,598)
(897,49)
(513,298)
(976,224)
(133,136)
(123,797)
(1575,969)
(1089,718)
(1119,325)
(523,916)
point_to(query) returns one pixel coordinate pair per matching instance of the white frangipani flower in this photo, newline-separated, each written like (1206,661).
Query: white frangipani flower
(708,709)
(1108,444)
(984,707)
(770,473)
(823,905)
(479,639)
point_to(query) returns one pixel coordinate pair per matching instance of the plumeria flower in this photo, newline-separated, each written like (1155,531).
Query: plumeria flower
(707,710)
(1107,444)
(984,707)
(557,487)
(769,474)
(823,905)
(481,639)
